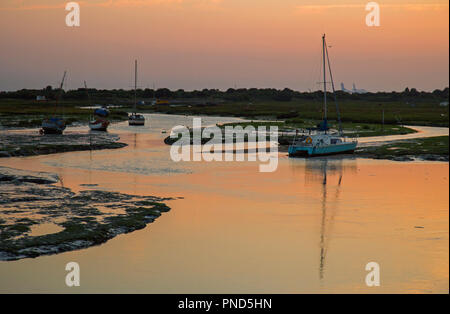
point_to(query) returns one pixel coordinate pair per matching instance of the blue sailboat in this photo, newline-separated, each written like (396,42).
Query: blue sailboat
(322,142)
(55,125)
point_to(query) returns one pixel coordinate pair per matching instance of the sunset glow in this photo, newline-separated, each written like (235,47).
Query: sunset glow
(196,44)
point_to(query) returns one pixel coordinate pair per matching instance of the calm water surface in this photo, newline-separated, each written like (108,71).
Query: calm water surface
(310,226)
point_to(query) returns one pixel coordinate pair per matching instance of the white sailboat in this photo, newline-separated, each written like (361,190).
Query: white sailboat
(323,143)
(134,118)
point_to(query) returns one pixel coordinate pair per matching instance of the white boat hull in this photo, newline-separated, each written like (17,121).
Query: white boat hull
(136,120)
(99,125)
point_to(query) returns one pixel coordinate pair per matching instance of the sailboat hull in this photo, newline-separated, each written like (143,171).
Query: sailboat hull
(53,126)
(52,131)
(99,125)
(136,120)
(312,151)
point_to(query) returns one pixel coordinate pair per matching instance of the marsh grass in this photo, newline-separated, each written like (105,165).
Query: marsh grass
(29,114)
(432,148)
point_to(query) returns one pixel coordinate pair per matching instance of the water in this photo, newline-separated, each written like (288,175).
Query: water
(310,226)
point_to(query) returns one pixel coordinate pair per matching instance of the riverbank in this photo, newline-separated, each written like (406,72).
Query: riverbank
(28,143)
(430,149)
(37,217)
(287,131)
(288,128)
(414,143)
(22,113)
(298,110)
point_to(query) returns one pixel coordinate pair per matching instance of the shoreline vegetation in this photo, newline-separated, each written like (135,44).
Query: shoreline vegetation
(31,201)
(29,144)
(430,149)
(22,113)
(409,107)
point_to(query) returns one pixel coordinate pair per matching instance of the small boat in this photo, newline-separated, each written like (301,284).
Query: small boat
(323,143)
(135,118)
(55,125)
(100,121)
(99,124)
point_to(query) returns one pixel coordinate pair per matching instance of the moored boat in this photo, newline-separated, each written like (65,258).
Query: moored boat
(135,119)
(100,121)
(323,143)
(99,124)
(55,125)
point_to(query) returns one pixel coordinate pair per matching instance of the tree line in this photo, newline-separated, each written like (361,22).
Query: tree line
(231,94)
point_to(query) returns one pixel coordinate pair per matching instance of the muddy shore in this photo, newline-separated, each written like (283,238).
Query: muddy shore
(32,200)
(14,144)
(39,216)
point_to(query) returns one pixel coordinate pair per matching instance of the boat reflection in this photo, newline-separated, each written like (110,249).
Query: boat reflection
(329,174)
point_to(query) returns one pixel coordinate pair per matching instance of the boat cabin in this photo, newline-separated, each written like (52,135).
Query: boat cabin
(318,140)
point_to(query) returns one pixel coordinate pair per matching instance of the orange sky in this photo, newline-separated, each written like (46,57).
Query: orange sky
(194,44)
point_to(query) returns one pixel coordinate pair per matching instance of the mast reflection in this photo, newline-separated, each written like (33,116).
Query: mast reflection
(329,174)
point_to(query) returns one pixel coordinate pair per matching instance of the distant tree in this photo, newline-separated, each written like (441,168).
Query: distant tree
(230,91)
(180,93)
(284,95)
(413,92)
(163,93)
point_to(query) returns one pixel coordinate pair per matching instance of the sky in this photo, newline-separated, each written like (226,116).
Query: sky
(196,44)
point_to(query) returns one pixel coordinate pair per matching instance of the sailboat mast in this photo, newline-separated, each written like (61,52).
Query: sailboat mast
(87,92)
(334,91)
(324,82)
(135,84)
(58,96)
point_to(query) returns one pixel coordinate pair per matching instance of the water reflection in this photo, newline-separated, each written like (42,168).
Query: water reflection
(329,174)
(322,219)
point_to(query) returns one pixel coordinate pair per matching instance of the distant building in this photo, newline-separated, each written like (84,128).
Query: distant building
(444,104)
(41,98)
